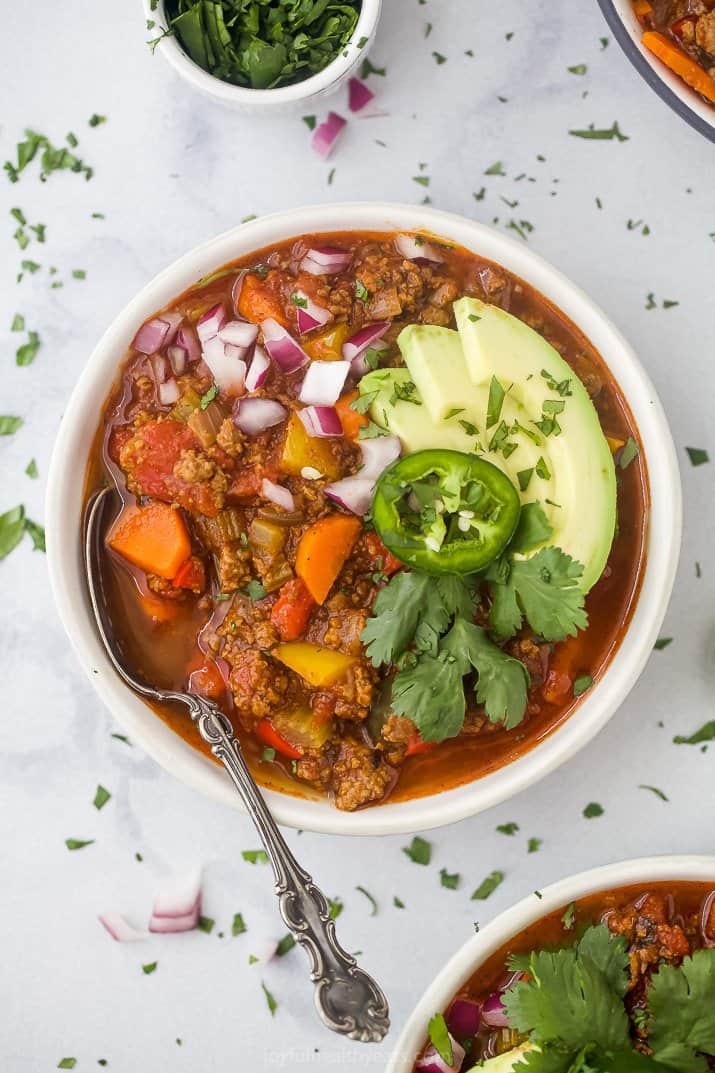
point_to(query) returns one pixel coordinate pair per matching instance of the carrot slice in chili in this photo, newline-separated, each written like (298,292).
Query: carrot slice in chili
(351,421)
(323,551)
(154,538)
(674,58)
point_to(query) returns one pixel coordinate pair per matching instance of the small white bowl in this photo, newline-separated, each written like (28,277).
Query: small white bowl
(507,925)
(65,504)
(670,88)
(284,97)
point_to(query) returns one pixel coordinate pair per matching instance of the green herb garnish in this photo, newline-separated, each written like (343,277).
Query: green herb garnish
(488,885)
(419,850)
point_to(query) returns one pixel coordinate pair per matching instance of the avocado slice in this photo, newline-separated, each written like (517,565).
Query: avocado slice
(503,1063)
(499,389)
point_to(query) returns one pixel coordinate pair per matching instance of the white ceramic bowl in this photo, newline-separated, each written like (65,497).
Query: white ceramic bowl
(64,510)
(680,97)
(508,924)
(284,97)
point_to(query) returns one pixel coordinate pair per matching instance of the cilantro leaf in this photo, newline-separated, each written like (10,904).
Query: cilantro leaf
(681,1002)
(502,681)
(545,588)
(430,693)
(532,529)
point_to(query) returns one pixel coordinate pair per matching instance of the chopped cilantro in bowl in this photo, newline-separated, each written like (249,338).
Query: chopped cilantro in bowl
(262,52)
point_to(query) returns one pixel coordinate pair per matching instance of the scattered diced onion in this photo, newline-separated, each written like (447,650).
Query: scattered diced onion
(359,95)
(237,288)
(281,346)
(169,392)
(321,421)
(353,493)
(323,382)
(227,366)
(256,415)
(277,494)
(360,342)
(160,368)
(360,365)
(239,333)
(432,1062)
(463,1018)
(377,454)
(177,908)
(157,333)
(211,323)
(120,929)
(258,371)
(309,315)
(415,248)
(177,357)
(326,134)
(493,1012)
(186,339)
(325,261)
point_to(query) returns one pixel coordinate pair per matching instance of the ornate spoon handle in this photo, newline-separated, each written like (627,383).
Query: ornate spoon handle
(347,999)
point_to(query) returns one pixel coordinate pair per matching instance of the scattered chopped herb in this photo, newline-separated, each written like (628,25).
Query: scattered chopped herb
(310,121)
(51,158)
(361,291)
(534,845)
(206,924)
(287,943)
(336,907)
(524,477)
(423,180)
(441,1039)
(269,755)
(662,643)
(439,58)
(18,323)
(612,133)
(629,453)
(578,69)
(36,533)
(488,885)
(508,828)
(255,856)
(9,425)
(450,880)
(495,402)
(419,849)
(208,397)
(101,797)
(398,903)
(569,917)
(654,790)
(95,120)
(238,927)
(495,169)
(368,68)
(149,968)
(582,684)
(373,903)
(26,354)
(67,1063)
(698,456)
(705,733)
(77,843)
(592,810)
(122,737)
(254,590)
(79,273)
(31,469)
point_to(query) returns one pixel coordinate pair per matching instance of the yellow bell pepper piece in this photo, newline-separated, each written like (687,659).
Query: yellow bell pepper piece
(318,666)
(301,728)
(328,345)
(301,450)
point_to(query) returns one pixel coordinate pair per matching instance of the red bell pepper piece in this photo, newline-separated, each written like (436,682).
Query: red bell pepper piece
(270,737)
(292,609)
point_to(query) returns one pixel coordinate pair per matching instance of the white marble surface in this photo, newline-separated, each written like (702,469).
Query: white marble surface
(172,169)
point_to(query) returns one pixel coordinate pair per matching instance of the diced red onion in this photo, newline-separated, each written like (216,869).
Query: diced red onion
(360,365)
(237,288)
(160,368)
(377,454)
(463,1018)
(256,415)
(325,261)
(186,339)
(211,323)
(120,929)
(169,392)
(432,1062)
(415,248)
(321,421)
(157,333)
(277,494)
(227,367)
(235,352)
(258,370)
(325,136)
(282,348)
(171,925)
(239,333)
(323,382)
(359,95)
(177,357)
(353,493)
(177,908)
(309,315)
(493,1012)
(364,339)
(707,920)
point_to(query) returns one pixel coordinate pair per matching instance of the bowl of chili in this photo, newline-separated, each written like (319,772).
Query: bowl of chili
(266,58)
(502,995)
(242,565)
(671,44)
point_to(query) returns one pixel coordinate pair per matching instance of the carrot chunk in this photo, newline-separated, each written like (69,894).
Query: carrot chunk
(681,64)
(259,301)
(154,538)
(323,551)
(351,421)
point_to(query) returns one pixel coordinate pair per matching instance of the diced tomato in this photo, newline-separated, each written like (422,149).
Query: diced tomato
(150,458)
(557,687)
(292,609)
(323,706)
(205,677)
(247,480)
(270,737)
(415,745)
(191,575)
(383,560)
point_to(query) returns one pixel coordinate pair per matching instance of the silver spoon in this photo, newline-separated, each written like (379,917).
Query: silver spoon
(347,999)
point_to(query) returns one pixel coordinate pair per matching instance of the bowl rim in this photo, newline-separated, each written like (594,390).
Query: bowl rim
(671,89)
(283,95)
(507,924)
(64,507)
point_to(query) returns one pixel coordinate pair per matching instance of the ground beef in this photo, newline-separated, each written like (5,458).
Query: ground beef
(231,439)
(395,736)
(234,567)
(259,684)
(359,775)
(705,33)
(355,691)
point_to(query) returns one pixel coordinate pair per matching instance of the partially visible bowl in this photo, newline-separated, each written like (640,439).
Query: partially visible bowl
(284,97)
(65,507)
(670,88)
(508,924)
